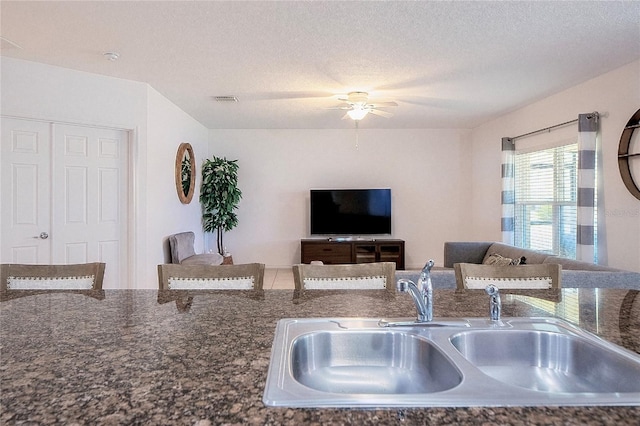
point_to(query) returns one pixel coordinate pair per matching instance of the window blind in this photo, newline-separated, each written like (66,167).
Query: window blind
(545,200)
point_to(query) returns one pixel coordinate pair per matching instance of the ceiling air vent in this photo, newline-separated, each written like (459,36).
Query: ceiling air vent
(225,99)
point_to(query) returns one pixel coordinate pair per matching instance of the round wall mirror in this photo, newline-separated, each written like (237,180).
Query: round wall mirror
(185,173)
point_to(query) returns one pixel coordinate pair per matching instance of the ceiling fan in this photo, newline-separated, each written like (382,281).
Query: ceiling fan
(357,106)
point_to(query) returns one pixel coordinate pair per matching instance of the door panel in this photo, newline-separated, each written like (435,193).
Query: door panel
(67,184)
(25,213)
(90,220)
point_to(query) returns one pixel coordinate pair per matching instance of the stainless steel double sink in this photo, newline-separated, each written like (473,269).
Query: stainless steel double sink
(351,362)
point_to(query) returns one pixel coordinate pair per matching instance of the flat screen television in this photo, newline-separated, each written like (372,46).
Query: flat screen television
(350,212)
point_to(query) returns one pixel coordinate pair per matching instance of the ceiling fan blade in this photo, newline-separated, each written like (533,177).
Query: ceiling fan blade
(6,44)
(285,95)
(344,117)
(432,102)
(381,113)
(382,104)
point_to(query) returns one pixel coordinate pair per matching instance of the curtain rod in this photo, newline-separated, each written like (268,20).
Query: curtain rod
(550,128)
(546,129)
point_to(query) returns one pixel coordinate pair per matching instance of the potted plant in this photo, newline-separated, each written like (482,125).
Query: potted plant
(219,196)
(185,174)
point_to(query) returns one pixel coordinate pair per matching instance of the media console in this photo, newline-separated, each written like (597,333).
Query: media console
(344,250)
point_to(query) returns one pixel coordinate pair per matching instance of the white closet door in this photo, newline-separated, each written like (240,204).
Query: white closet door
(90,206)
(64,196)
(25,213)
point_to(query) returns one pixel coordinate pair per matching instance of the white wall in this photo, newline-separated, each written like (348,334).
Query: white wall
(616,95)
(35,90)
(427,171)
(43,92)
(169,126)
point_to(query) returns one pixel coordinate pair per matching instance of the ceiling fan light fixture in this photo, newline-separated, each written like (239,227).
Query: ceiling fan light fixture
(358,113)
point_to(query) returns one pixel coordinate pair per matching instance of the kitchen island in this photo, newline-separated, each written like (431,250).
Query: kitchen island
(201,357)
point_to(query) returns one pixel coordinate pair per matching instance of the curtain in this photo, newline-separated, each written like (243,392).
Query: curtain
(587,131)
(508,191)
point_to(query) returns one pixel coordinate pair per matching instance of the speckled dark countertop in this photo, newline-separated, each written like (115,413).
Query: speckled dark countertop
(139,357)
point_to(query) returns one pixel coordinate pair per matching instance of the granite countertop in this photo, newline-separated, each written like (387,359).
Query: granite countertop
(143,357)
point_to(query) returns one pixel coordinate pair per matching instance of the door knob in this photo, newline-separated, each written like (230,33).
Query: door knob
(42,236)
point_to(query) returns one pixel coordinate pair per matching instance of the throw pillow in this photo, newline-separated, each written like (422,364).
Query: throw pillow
(498,260)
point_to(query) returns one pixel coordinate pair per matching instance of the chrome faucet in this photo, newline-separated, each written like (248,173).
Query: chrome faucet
(422,293)
(495,304)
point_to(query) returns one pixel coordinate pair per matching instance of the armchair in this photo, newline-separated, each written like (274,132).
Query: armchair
(183,252)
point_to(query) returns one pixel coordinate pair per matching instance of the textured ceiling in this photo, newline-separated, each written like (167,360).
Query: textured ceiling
(446,64)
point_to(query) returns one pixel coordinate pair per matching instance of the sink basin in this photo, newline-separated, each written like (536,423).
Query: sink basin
(371,362)
(548,361)
(366,362)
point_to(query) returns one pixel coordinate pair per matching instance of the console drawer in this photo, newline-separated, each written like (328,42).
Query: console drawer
(327,253)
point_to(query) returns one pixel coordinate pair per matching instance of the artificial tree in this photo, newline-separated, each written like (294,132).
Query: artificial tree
(219,196)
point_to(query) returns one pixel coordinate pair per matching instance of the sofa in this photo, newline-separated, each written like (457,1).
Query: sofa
(575,274)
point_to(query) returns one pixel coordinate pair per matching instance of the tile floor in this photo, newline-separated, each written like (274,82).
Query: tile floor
(278,279)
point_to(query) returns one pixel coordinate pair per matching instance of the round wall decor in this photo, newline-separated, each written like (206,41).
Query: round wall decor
(624,156)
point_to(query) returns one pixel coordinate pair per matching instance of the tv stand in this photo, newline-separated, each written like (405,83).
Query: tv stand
(341,239)
(352,250)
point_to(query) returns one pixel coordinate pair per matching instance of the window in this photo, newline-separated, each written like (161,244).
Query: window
(545,200)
